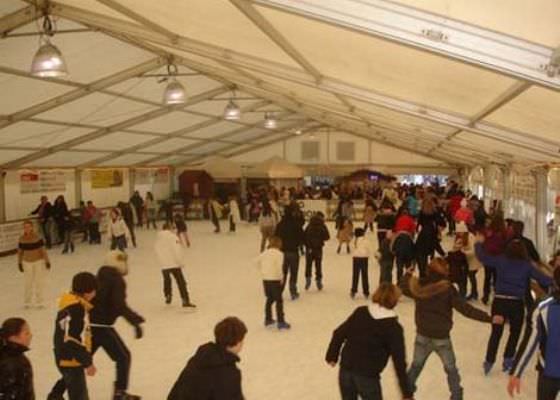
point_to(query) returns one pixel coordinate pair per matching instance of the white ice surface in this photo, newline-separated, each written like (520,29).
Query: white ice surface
(223,281)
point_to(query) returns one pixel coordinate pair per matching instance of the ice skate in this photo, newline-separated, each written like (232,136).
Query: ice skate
(188,304)
(295,296)
(319,285)
(507,364)
(283,326)
(122,395)
(167,299)
(307,283)
(269,322)
(487,367)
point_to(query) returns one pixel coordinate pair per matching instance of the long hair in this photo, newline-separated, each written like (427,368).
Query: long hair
(498,223)
(428,207)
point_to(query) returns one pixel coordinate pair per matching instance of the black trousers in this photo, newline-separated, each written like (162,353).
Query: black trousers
(291,268)
(273,293)
(513,311)
(93,232)
(422,260)
(381,235)
(489,281)
(73,380)
(474,283)
(231,224)
(118,242)
(132,234)
(216,223)
(177,273)
(139,215)
(46,233)
(109,340)
(360,267)
(402,264)
(353,385)
(547,388)
(314,256)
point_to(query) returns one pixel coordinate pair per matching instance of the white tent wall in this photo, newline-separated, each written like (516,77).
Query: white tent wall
(20,205)
(161,190)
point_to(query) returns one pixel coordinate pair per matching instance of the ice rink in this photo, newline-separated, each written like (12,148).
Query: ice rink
(223,281)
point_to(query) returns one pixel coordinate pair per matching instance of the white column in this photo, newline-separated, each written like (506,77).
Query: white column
(131,181)
(487,185)
(78,186)
(508,192)
(3,196)
(541,178)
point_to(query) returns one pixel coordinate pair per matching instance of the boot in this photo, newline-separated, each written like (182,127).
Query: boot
(54,397)
(65,250)
(167,299)
(72,247)
(507,365)
(122,395)
(268,322)
(187,303)
(283,325)
(487,367)
(319,285)
(307,282)
(347,249)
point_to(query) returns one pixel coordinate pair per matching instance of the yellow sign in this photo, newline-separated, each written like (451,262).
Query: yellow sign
(106,178)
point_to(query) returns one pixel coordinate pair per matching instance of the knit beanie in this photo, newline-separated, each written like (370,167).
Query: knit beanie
(118,260)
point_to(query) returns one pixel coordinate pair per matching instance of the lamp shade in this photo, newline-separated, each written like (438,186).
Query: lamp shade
(270,121)
(232,112)
(48,62)
(174,93)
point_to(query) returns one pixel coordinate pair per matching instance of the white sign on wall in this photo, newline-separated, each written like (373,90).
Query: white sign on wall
(42,181)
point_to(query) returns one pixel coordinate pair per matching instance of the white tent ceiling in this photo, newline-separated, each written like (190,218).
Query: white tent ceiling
(460,82)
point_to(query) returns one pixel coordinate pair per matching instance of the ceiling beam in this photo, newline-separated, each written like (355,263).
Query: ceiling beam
(17,19)
(173,135)
(327,84)
(269,30)
(113,128)
(83,91)
(426,31)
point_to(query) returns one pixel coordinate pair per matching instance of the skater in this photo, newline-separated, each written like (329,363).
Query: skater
(118,231)
(385,220)
(435,299)
(403,247)
(370,336)
(290,232)
(181,227)
(494,243)
(212,372)
(271,263)
(44,212)
(427,242)
(267,223)
(92,218)
(128,218)
(215,210)
(33,262)
(369,214)
(544,336)
(234,215)
(360,259)
(138,204)
(344,235)
(72,339)
(474,267)
(514,271)
(60,215)
(458,266)
(15,369)
(316,234)
(150,206)
(109,304)
(386,260)
(169,252)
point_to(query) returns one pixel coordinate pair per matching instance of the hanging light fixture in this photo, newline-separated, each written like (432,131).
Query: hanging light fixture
(298,131)
(232,112)
(48,61)
(269,121)
(174,92)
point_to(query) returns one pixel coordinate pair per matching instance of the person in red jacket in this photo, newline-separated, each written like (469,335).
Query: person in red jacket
(405,222)
(455,197)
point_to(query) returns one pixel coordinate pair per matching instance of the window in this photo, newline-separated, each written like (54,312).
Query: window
(345,151)
(310,151)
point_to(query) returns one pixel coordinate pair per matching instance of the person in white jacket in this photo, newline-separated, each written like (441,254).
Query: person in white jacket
(120,235)
(169,252)
(234,215)
(363,250)
(270,263)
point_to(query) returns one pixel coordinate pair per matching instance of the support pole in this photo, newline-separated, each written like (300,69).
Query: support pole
(172,181)
(131,181)
(508,192)
(3,196)
(78,187)
(541,178)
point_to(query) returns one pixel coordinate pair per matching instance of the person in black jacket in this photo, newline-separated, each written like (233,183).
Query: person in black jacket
(435,299)
(44,212)
(128,218)
(109,304)
(316,234)
(289,229)
(16,373)
(370,336)
(212,372)
(61,217)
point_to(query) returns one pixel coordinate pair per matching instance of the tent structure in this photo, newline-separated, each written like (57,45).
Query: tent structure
(449,83)
(275,168)
(221,168)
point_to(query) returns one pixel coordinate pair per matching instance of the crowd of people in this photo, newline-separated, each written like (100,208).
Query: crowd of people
(402,227)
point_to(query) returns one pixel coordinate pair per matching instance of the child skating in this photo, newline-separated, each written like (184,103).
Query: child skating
(360,259)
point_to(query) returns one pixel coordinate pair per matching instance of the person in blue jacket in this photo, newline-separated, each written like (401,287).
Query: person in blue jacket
(514,271)
(546,337)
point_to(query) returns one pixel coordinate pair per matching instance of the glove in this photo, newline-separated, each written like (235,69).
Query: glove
(48,265)
(20,267)
(138,331)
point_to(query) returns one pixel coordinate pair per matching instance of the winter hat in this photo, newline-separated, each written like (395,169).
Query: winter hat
(118,260)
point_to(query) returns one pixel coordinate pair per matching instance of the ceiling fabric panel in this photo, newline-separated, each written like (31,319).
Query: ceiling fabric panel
(9,155)
(170,145)
(109,54)
(209,148)
(115,141)
(38,135)
(65,159)
(216,107)
(128,159)
(97,109)
(200,19)
(533,21)
(214,130)
(488,147)
(149,89)
(170,122)
(389,68)
(173,160)
(535,111)
(10,6)
(251,135)
(24,92)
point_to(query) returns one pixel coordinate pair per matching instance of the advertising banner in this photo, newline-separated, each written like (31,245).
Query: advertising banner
(106,178)
(42,181)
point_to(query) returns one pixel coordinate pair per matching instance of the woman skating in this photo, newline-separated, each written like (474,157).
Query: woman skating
(33,262)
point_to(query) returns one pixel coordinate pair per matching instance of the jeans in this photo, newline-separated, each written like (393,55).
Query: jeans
(118,242)
(93,232)
(513,311)
(179,279)
(73,380)
(314,256)
(353,385)
(547,388)
(273,293)
(423,347)
(291,267)
(360,267)
(489,281)
(110,341)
